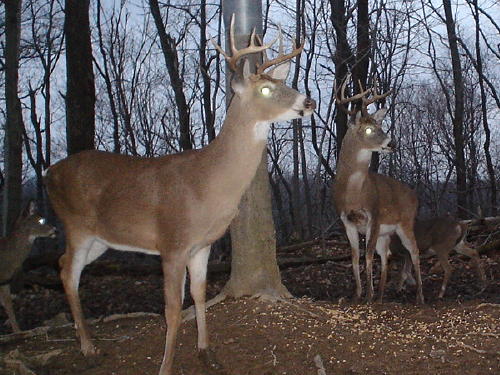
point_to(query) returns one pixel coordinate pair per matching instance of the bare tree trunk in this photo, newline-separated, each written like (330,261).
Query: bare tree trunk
(12,196)
(484,112)
(342,59)
(458,115)
(169,49)
(254,268)
(296,128)
(107,80)
(80,94)
(205,66)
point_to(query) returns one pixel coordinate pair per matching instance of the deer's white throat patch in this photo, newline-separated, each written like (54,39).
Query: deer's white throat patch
(355,181)
(364,156)
(261,130)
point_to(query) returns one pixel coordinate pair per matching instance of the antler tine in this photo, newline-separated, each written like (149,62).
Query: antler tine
(376,96)
(236,54)
(281,49)
(281,57)
(343,100)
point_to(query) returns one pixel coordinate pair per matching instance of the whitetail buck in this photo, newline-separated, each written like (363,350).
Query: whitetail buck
(176,205)
(438,236)
(370,203)
(14,249)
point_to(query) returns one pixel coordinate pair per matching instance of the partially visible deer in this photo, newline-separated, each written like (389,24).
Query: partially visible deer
(370,203)
(438,236)
(174,206)
(14,249)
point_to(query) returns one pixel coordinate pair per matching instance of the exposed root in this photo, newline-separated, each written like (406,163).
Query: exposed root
(300,308)
(190,313)
(38,331)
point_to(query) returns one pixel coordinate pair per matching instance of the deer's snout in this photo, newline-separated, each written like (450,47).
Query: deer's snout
(310,104)
(392,144)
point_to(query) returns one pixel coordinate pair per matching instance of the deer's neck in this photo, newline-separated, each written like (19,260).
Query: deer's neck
(353,166)
(234,155)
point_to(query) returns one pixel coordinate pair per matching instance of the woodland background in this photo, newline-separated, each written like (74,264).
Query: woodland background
(162,90)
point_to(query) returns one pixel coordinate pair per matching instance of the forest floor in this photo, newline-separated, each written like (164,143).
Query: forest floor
(457,335)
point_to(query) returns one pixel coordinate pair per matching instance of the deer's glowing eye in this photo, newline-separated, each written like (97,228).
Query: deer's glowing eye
(368,131)
(41,221)
(266,91)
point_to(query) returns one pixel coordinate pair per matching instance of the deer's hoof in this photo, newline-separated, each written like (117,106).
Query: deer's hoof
(208,359)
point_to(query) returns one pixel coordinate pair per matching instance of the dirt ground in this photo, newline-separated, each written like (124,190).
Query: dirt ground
(458,335)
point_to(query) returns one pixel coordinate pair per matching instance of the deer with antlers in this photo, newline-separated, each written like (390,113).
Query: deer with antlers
(370,203)
(174,206)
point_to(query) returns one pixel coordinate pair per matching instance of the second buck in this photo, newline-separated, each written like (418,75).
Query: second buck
(370,203)
(174,206)
(14,249)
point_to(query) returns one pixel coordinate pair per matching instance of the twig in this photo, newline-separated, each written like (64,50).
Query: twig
(319,364)
(481,305)
(471,348)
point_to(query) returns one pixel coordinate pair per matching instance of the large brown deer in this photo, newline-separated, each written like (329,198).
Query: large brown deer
(14,249)
(370,203)
(438,236)
(177,205)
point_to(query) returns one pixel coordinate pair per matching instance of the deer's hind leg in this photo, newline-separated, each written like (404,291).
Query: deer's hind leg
(405,233)
(463,249)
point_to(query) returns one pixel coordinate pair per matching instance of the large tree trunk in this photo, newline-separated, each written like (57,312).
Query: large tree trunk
(12,193)
(342,59)
(170,53)
(254,269)
(458,115)
(80,94)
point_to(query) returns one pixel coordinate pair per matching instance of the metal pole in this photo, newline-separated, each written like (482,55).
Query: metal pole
(248,14)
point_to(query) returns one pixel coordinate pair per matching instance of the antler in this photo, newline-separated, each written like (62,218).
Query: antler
(237,54)
(281,56)
(363,95)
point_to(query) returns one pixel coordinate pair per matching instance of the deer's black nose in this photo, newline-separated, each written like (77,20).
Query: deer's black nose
(393,144)
(309,103)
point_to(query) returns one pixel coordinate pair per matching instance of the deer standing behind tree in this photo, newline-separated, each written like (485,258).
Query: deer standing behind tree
(174,206)
(369,203)
(438,236)
(14,249)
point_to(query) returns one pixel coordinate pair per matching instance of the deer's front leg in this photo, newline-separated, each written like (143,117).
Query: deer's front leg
(353,236)
(197,267)
(174,274)
(79,253)
(6,301)
(372,234)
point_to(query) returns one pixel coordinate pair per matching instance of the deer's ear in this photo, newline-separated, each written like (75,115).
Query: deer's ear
(379,115)
(31,209)
(280,72)
(240,76)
